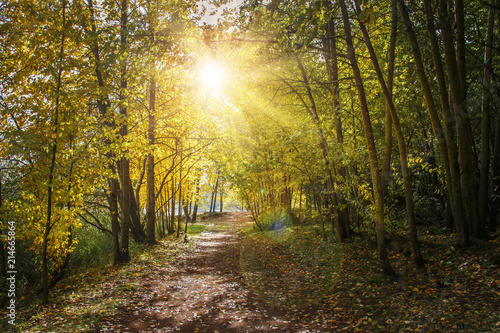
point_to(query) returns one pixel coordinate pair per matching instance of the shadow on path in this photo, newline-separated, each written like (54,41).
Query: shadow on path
(203,290)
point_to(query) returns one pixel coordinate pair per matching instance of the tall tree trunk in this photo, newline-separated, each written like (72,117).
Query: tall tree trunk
(196,198)
(124,162)
(55,124)
(179,211)
(407,181)
(460,223)
(391,55)
(323,143)
(456,79)
(136,229)
(370,143)
(150,177)
(485,125)
(495,203)
(104,106)
(115,224)
(172,208)
(213,202)
(186,216)
(454,191)
(221,199)
(331,58)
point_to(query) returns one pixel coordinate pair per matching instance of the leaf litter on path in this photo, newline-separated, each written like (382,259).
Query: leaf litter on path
(201,287)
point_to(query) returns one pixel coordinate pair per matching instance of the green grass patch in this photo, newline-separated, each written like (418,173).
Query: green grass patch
(195,229)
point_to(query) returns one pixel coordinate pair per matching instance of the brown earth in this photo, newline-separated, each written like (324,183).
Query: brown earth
(203,290)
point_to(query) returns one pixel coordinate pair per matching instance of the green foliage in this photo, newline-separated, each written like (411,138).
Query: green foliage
(275,220)
(311,217)
(92,249)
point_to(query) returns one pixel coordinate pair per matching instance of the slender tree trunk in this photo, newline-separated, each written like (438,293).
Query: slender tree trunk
(186,216)
(150,177)
(195,209)
(172,208)
(456,79)
(372,151)
(407,181)
(454,190)
(55,124)
(124,163)
(213,202)
(115,224)
(179,211)
(386,165)
(495,203)
(485,125)
(313,113)
(343,224)
(460,224)
(104,105)
(136,229)
(221,199)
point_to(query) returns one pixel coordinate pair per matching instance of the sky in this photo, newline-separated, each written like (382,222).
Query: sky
(212,13)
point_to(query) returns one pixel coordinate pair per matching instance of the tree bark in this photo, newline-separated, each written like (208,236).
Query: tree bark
(456,79)
(196,198)
(460,224)
(386,165)
(407,181)
(103,104)
(495,203)
(124,162)
(150,177)
(331,58)
(221,199)
(372,151)
(454,190)
(323,143)
(213,202)
(179,211)
(485,124)
(172,209)
(55,124)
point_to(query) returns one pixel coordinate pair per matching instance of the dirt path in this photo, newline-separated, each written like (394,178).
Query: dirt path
(203,290)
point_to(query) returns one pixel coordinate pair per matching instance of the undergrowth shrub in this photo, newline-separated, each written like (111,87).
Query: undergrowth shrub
(312,217)
(93,248)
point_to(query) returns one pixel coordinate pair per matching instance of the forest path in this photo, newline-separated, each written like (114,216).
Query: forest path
(203,290)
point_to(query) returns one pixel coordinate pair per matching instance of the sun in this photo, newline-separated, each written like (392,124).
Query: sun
(212,76)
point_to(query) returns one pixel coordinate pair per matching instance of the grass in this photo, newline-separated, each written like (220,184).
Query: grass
(195,229)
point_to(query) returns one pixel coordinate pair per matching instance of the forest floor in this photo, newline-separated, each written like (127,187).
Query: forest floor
(208,285)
